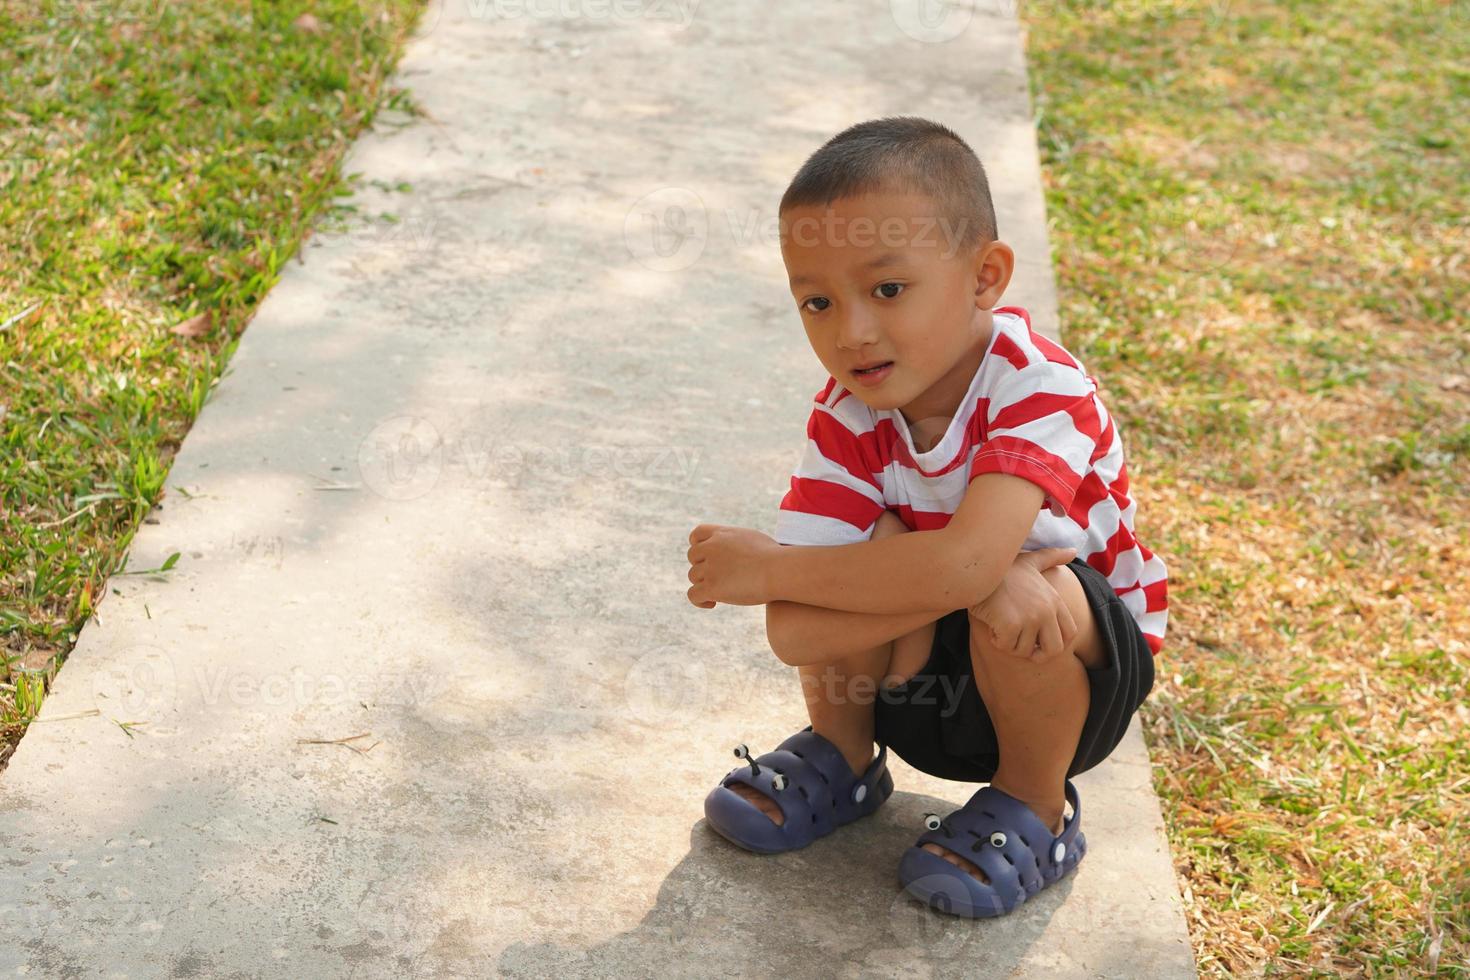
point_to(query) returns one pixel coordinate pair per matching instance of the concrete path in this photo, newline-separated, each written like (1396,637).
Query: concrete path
(423,696)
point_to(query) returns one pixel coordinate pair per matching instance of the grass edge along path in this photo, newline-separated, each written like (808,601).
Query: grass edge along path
(1256,222)
(161,162)
(1257,217)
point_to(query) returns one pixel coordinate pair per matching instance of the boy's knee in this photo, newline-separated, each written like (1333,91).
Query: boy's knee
(1085,642)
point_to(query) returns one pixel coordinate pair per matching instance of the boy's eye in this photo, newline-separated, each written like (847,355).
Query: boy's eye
(814,299)
(889,285)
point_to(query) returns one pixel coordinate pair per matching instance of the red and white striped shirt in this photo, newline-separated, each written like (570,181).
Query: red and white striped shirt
(1032,411)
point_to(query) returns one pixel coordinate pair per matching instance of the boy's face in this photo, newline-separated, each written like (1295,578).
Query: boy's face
(895,310)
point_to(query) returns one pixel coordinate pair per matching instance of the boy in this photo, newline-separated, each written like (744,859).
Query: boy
(956,463)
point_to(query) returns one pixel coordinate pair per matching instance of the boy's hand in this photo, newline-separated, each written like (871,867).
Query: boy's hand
(1024,613)
(728,564)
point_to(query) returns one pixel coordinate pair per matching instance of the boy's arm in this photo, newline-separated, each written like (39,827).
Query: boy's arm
(801,634)
(955,566)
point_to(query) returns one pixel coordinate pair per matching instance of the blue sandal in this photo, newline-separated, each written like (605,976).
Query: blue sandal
(812,784)
(1005,839)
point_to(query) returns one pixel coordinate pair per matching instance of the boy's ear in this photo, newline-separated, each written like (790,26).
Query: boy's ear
(994,263)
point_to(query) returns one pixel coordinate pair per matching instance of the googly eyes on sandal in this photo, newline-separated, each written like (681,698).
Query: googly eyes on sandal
(778,781)
(931,821)
(998,839)
(741,751)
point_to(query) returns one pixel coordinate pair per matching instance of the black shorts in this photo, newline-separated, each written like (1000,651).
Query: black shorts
(937,722)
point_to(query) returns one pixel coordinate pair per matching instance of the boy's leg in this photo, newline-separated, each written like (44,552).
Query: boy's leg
(839,694)
(1038,710)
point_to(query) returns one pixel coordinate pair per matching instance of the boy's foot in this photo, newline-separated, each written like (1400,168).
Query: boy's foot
(772,809)
(813,786)
(968,866)
(1027,846)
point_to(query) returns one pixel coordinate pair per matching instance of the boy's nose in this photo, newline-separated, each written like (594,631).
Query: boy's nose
(857,331)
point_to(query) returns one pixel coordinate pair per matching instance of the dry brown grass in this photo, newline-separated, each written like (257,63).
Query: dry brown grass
(1261,245)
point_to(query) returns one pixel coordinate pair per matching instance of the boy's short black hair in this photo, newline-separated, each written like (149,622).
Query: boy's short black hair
(902,154)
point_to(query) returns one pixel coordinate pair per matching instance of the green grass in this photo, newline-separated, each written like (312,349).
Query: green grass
(161,161)
(1259,224)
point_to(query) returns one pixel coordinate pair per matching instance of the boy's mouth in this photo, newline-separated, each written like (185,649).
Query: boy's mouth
(872,374)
